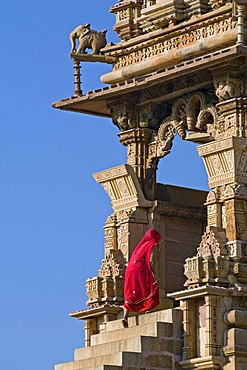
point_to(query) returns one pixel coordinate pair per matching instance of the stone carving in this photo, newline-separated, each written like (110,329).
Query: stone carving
(87,38)
(225,161)
(112,265)
(110,232)
(166,134)
(142,16)
(217,26)
(216,4)
(213,196)
(227,89)
(122,186)
(213,243)
(234,190)
(124,116)
(191,112)
(150,115)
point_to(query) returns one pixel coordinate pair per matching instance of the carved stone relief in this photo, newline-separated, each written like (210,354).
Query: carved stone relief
(189,113)
(217,26)
(124,116)
(112,265)
(216,4)
(151,115)
(213,243)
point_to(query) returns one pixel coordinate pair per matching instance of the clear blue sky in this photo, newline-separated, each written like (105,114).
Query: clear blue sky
(52,211)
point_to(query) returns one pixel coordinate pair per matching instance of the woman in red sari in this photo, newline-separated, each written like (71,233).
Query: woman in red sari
(141,289)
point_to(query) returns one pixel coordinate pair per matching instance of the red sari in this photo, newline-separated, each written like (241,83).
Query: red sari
(141,290)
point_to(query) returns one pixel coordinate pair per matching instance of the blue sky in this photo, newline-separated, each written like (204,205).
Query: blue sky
(52,210)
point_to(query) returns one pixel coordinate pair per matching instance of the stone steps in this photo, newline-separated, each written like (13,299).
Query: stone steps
(136,344)
(152,341)
(142,325)
(117,359)
(122,360)
(157,329)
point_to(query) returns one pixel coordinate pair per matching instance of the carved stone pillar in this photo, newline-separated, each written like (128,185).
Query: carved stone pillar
(226,162)
(204,326)
(90,328)
(77,76)
(241,14)
(189,333)
(214,208)
(137,141)
(110,229)
(213,343)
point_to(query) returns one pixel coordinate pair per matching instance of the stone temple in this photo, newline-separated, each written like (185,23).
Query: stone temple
(180,68)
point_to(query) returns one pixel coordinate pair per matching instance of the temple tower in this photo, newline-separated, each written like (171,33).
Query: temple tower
(179,69)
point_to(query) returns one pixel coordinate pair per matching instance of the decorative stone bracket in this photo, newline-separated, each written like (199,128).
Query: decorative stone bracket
(123,188)
(225,161)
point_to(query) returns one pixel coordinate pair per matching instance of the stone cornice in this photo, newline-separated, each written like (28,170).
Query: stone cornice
(96,312)
(201,292)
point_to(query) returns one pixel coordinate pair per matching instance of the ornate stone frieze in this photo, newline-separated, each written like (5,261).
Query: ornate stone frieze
(137,17)
(166,43)
(166,91)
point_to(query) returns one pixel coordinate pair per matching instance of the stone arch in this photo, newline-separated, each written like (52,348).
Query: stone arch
(195,104)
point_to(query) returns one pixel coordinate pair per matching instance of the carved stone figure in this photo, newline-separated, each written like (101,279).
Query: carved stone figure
(87,38)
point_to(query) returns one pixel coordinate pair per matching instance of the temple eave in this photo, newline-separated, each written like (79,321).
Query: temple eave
(96,102)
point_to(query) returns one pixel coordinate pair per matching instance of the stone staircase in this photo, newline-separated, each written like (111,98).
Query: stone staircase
(152,341)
